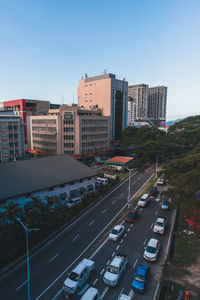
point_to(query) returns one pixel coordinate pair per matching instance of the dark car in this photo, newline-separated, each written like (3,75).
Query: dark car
(153,191)
(131,216)
(140,278)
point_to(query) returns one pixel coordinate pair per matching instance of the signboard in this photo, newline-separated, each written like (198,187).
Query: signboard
(68,115)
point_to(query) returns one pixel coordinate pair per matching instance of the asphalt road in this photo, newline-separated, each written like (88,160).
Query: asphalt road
(49,269)
(131,244)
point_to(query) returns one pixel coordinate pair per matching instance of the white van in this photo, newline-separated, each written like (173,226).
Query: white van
(73,201)
(144,200)
(101,181)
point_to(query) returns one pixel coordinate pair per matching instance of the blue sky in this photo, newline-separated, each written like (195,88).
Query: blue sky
(47,45)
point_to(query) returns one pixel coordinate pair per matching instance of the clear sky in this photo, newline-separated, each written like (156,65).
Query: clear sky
(47,45)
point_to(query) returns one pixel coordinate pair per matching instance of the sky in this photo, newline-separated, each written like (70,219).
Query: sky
(46,46)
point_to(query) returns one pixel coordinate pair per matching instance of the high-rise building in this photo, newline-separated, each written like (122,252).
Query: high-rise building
(12,144)
(131,111)
(71,130)
(109,94)
(157,102)
(139,92)
(26,108)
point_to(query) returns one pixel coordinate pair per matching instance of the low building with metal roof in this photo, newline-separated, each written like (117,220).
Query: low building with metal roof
(119,162)
(58,176)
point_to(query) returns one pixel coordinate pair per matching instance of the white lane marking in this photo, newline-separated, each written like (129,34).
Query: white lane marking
(135,263)
(75,238)
(91,222)
(38,297)
(131,293)
(121,241)
(156,213)
(113,254)
(104,292)
(53,257)
(100,246)
(156,291)
(133,182)
(95,281)
(107,262)
(151,225)
(145,242)
(125,235)
(102,271)
(122,222)
(117,247)
(131,225)
(128,229)
(140,210)
(103,211)
(122,194)
(114,202)
(19,287)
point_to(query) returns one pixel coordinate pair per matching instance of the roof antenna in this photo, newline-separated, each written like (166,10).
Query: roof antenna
(62,99)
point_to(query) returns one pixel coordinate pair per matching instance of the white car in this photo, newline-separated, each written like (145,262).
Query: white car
(160,181)
(159,226)
(91,294)
(151,250)
(116,232)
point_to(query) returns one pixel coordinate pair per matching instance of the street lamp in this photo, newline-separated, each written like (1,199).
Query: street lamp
(129,188)
(27,230)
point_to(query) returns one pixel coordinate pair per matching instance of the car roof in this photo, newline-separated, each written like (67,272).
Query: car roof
(153,242)
(78,269)
(142,269)
(117,227)
(91,292)
(160,219)
(145,196)
(116,262)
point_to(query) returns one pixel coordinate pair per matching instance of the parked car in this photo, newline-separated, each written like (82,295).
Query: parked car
(124,297)
(165,205)
(140,278)
(151,250)
(161,181)
(74,201)
(159,226)
(131,216)
(115,270)
(101,181)
(91,294)
(116,232)
(78,276)
(153,191)
(144,200)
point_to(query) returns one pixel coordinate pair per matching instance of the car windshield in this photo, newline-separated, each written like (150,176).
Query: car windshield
(139,278)
(114,231)
(73,276)
(165,203)
(159,224)
(143,200)
(113,270)
(151,249)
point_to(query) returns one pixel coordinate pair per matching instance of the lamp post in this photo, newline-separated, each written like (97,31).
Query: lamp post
(27,230)
(129,189)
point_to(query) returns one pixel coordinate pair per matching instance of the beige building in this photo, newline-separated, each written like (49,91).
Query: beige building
(12,144)
(70,130)
(109,94)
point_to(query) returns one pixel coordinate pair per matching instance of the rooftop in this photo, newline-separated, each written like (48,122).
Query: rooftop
(119,160)
(27,176)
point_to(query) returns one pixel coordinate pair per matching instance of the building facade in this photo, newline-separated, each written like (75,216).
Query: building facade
(12,144)
(131,111)
(139,92)
(108,94)
(70,130)
(26,108)
(157,102)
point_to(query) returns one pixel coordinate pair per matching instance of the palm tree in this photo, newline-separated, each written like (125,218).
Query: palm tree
(11,211)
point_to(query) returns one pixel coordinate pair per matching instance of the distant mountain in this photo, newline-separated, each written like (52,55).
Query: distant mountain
(173,122)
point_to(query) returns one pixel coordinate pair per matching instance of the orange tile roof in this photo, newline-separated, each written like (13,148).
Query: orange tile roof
(120,159)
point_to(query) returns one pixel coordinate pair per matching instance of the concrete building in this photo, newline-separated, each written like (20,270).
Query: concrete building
(12,144)
(71,130)
(108,94)
(131,111)
(139,92)
(26,108)
(119,163)
(60,177)
(157,102)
